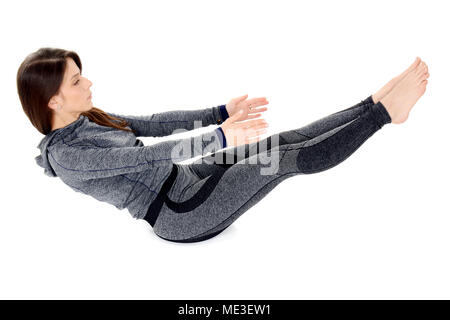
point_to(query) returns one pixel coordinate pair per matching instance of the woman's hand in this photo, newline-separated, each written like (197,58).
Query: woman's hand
(248,107)
(237,133)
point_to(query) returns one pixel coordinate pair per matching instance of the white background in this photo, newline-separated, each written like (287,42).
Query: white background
(374,227)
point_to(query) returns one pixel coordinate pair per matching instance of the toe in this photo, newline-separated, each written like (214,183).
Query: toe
(423,77)
(414,64)
(420,69)
(423,86)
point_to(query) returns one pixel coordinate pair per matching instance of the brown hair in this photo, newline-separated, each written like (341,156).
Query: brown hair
(39,78)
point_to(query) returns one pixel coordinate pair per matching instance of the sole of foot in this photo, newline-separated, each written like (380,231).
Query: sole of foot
(404,95)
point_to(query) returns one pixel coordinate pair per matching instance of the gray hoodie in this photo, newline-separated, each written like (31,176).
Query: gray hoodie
(114,166)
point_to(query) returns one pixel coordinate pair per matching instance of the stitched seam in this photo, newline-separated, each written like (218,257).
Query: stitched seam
(302,134)
(186,189)
(231,216)
(342,159)
(193,202)
(95,170)
(343,127)
(137,181)
(157,120)
(58,135)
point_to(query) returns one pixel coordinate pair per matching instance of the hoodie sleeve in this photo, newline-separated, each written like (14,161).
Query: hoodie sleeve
(83,163)
(165,123)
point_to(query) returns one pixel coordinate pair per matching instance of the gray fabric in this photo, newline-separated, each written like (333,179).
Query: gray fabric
(313,148)
(114,166)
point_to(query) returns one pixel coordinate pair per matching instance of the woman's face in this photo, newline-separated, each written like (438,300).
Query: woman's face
(74,91)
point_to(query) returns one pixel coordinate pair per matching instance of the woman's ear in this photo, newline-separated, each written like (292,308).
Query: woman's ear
(53,104)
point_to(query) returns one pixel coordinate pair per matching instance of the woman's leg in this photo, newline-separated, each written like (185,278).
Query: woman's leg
(230,156)
(211,204)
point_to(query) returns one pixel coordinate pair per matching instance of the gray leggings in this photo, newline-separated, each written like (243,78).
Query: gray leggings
(207,197)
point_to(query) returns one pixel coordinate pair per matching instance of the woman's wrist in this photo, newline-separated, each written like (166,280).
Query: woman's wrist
(221,134)
(224,112)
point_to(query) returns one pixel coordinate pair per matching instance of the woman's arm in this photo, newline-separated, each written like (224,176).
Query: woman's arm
(165,123)
(84,163)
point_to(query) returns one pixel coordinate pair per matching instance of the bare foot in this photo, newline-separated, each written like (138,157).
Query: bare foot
(400,100)
(391,84)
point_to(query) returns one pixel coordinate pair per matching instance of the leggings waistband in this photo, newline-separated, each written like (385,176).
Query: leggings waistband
(155,207)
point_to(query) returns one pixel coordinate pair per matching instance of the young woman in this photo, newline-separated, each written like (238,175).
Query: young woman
(98,153)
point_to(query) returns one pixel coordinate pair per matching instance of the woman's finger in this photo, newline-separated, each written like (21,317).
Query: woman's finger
(257,100)
(252,140)
(254,132)
(256,104)
(253,110)
(241,98)
(246,123)
(254,116)
(262,125)
(260,131)
(251,123)
(259,126)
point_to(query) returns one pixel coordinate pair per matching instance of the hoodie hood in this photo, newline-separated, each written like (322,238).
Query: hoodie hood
(46,142)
